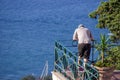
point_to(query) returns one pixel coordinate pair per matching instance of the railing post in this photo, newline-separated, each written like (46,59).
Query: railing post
(92,51)
(56,55)
(65,62)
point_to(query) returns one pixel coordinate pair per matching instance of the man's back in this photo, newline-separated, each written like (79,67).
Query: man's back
(83,35)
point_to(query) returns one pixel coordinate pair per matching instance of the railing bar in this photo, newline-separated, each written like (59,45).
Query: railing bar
(65,47)
(67,55)
(65,72)
(60,67)
(63,52)
(91,73)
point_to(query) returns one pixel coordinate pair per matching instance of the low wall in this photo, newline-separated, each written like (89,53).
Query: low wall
(57,76)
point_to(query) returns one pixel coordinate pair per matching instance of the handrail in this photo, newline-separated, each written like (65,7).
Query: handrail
(73,44)
(66,63)
(44,72)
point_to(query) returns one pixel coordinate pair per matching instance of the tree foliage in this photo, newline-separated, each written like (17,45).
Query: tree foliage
(115,56)
(108,16)
(109,54)
(28,77)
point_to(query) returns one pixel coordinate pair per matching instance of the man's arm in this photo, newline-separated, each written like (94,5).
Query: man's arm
(91,36)
(75,36)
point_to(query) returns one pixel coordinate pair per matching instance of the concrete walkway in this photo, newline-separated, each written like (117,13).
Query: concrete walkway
(116,75)
(58,76)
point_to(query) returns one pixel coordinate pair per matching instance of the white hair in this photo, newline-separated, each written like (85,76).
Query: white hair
(81,25)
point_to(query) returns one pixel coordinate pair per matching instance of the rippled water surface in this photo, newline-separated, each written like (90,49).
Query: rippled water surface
(28,29)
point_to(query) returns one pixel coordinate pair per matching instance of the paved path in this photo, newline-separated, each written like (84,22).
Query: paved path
(116,75)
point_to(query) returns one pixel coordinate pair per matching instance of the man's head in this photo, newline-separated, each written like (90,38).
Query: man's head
(81,25)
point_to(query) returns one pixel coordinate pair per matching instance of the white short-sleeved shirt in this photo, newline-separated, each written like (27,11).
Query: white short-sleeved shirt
(83,35)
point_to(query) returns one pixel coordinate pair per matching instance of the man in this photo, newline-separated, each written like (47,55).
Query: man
(84,38)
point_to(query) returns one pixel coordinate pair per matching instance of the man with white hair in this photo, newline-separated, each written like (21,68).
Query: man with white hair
(84,38)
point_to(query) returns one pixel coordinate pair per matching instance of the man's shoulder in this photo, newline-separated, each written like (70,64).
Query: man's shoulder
(86,29)
(76,29)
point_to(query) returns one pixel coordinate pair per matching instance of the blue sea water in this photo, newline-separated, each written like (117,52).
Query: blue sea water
(29,28)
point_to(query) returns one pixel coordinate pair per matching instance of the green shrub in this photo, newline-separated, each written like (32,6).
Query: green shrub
(29,77)
(115,54)
(48,77)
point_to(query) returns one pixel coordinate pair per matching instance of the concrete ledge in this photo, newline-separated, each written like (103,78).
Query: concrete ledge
(116,75)
(58,76)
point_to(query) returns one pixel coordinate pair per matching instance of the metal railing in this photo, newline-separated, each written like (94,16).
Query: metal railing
(66,63)
(44,72)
